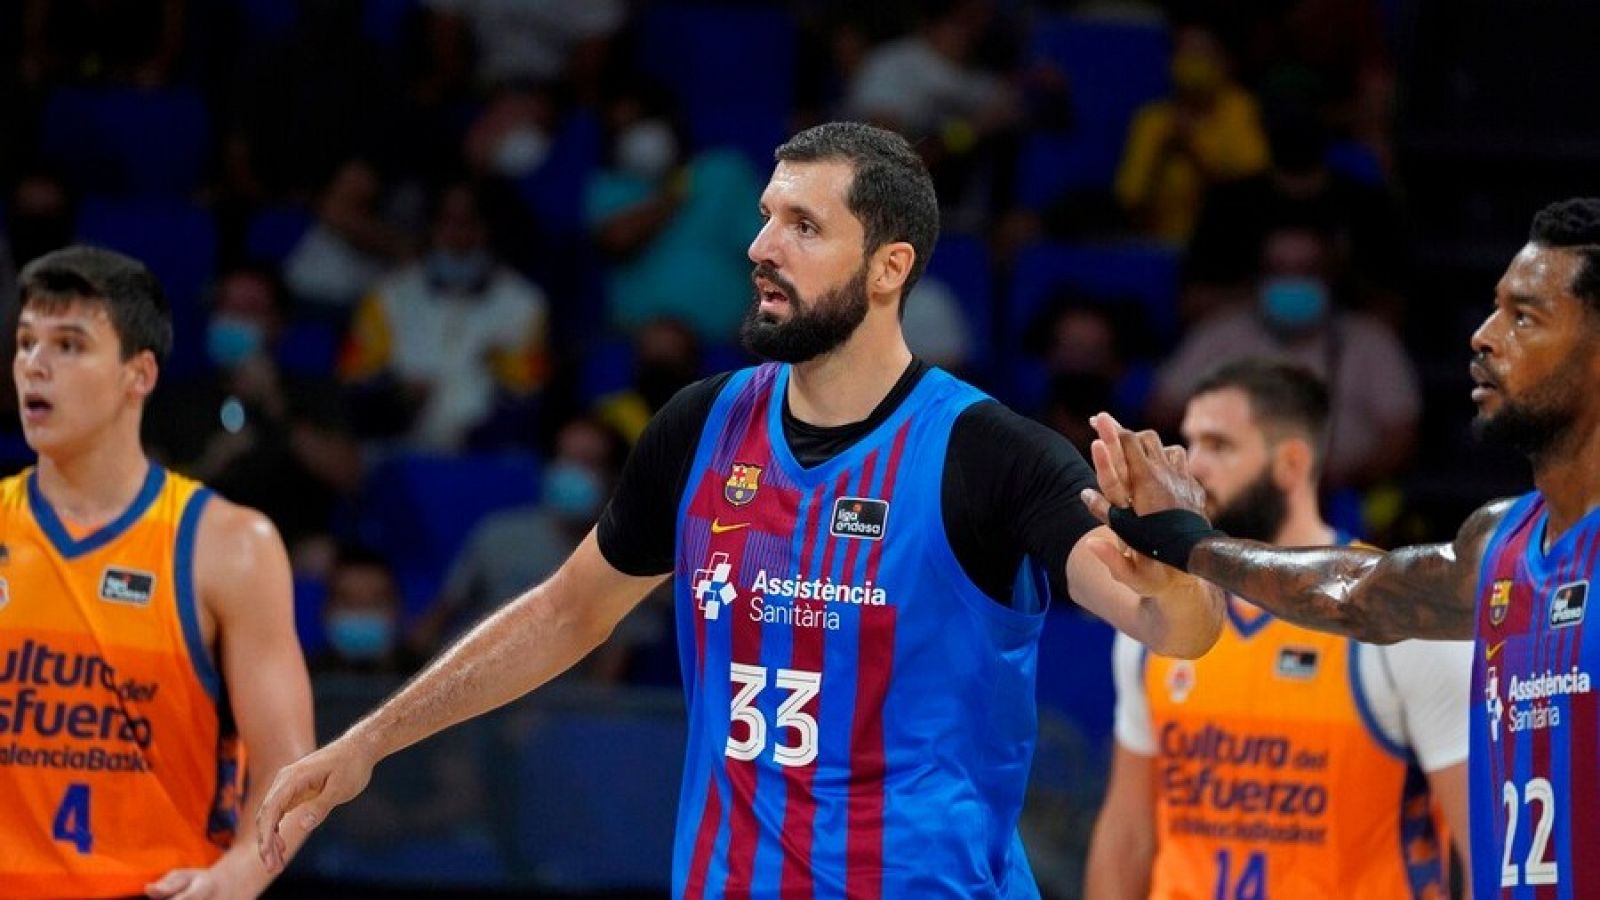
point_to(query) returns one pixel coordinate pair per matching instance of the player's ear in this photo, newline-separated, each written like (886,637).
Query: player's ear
(1292,462)
(891,266)
(143,373)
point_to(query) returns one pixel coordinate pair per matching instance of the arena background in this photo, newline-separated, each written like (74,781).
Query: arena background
(248,149)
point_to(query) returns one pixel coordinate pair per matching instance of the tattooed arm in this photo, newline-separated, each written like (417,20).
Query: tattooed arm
(1427,591)
(1414,592)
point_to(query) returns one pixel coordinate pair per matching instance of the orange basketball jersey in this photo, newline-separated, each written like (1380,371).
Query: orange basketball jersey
(1273,781)
(118,759)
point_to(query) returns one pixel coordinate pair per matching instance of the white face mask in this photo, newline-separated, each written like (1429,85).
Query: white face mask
(520,151)
(647,149)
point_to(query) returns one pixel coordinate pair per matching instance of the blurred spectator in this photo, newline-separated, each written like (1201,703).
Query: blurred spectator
(1300,186)
(522,42)
(511,137)
(666,358)
(512,550)
(443,343)
(1298,314)
(963,119)
(134,42)
(673,224)
(351,245)
(935,327)
(361,618)
(259,436)
(1093,360)
(1208,131)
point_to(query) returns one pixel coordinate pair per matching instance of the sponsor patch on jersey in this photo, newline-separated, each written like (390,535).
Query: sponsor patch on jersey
(1499,601)
(859,517)
(5,554)
(127,586)
(1180,680)
(713,586)
(1567,603)
(5,593)
(1299,663)
(743,481)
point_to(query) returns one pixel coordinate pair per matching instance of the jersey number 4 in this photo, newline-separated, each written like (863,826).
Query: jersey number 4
(72,818)
(748,682)
(1535,869)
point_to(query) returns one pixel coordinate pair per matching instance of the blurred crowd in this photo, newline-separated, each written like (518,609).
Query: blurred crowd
(434,263)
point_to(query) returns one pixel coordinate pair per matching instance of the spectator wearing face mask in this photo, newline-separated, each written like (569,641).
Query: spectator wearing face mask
(259,436)
(361,618)
(673,224)
(446,343)
(514,549)
(1298,314)
(1208,131)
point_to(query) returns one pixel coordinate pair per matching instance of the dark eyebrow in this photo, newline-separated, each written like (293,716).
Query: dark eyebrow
(1530,300)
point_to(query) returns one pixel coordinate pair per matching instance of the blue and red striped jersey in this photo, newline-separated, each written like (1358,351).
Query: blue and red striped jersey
(1535,764)
(861,716)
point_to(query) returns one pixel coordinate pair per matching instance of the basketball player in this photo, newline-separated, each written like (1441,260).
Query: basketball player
(1516,576)
(863,548)
(1286,762)
(146,632)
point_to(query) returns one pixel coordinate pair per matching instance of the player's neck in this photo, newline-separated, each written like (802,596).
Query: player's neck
(846,385)
(1568,475)
(93,486)
(1303,526)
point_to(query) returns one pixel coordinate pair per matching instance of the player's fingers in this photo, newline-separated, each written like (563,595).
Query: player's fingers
(1178,457)
(169,884)
(1098,505)
(1150,443)
(290,789)
(1106,428)
(1111,481)
(1133,451)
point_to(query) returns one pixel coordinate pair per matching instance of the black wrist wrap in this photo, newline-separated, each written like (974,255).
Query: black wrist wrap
(1167,536)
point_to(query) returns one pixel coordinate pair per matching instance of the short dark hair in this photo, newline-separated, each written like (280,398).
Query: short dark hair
(134,300)
(1284,396)
(891,191)
(1574,224)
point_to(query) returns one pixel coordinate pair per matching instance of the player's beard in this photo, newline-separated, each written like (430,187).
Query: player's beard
(1257,512)
(813,328)
(1540,419)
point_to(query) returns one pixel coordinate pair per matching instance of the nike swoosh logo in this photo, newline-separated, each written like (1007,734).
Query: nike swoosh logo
(1492,649)
(718,528)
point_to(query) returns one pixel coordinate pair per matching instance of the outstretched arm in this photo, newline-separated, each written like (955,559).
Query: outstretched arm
(1423,592)
(1426,591)
(531,640)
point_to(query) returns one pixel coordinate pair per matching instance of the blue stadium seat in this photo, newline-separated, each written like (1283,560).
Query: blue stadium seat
(309,347)
(961,261)
(383,22)
(554,191)
(128,141)
(731,66)
(274,232)
(266,20)
(1137,272)
(1114,67)
(178,241)
(418,509)
(607,366)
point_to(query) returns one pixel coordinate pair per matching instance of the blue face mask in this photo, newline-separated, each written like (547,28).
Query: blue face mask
(230,341)
(572,492)
(363,636)
(464,272)
(1293,304)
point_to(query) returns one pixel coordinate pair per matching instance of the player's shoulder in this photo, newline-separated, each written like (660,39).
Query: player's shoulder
(1480,526)
(14,490)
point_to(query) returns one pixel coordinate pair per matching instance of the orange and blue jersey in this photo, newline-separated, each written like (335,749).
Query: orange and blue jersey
(861,716)
(118,759)
(1535,766)
(1273,777)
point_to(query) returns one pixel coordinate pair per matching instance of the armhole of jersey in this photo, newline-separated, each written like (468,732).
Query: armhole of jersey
(1364,708)
(188,609)
(704,447)
(1502,533)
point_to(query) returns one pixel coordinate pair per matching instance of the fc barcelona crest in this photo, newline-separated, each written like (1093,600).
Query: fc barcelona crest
(743,481)
(1499,601)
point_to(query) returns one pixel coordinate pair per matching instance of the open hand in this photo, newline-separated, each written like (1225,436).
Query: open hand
(1136,472)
